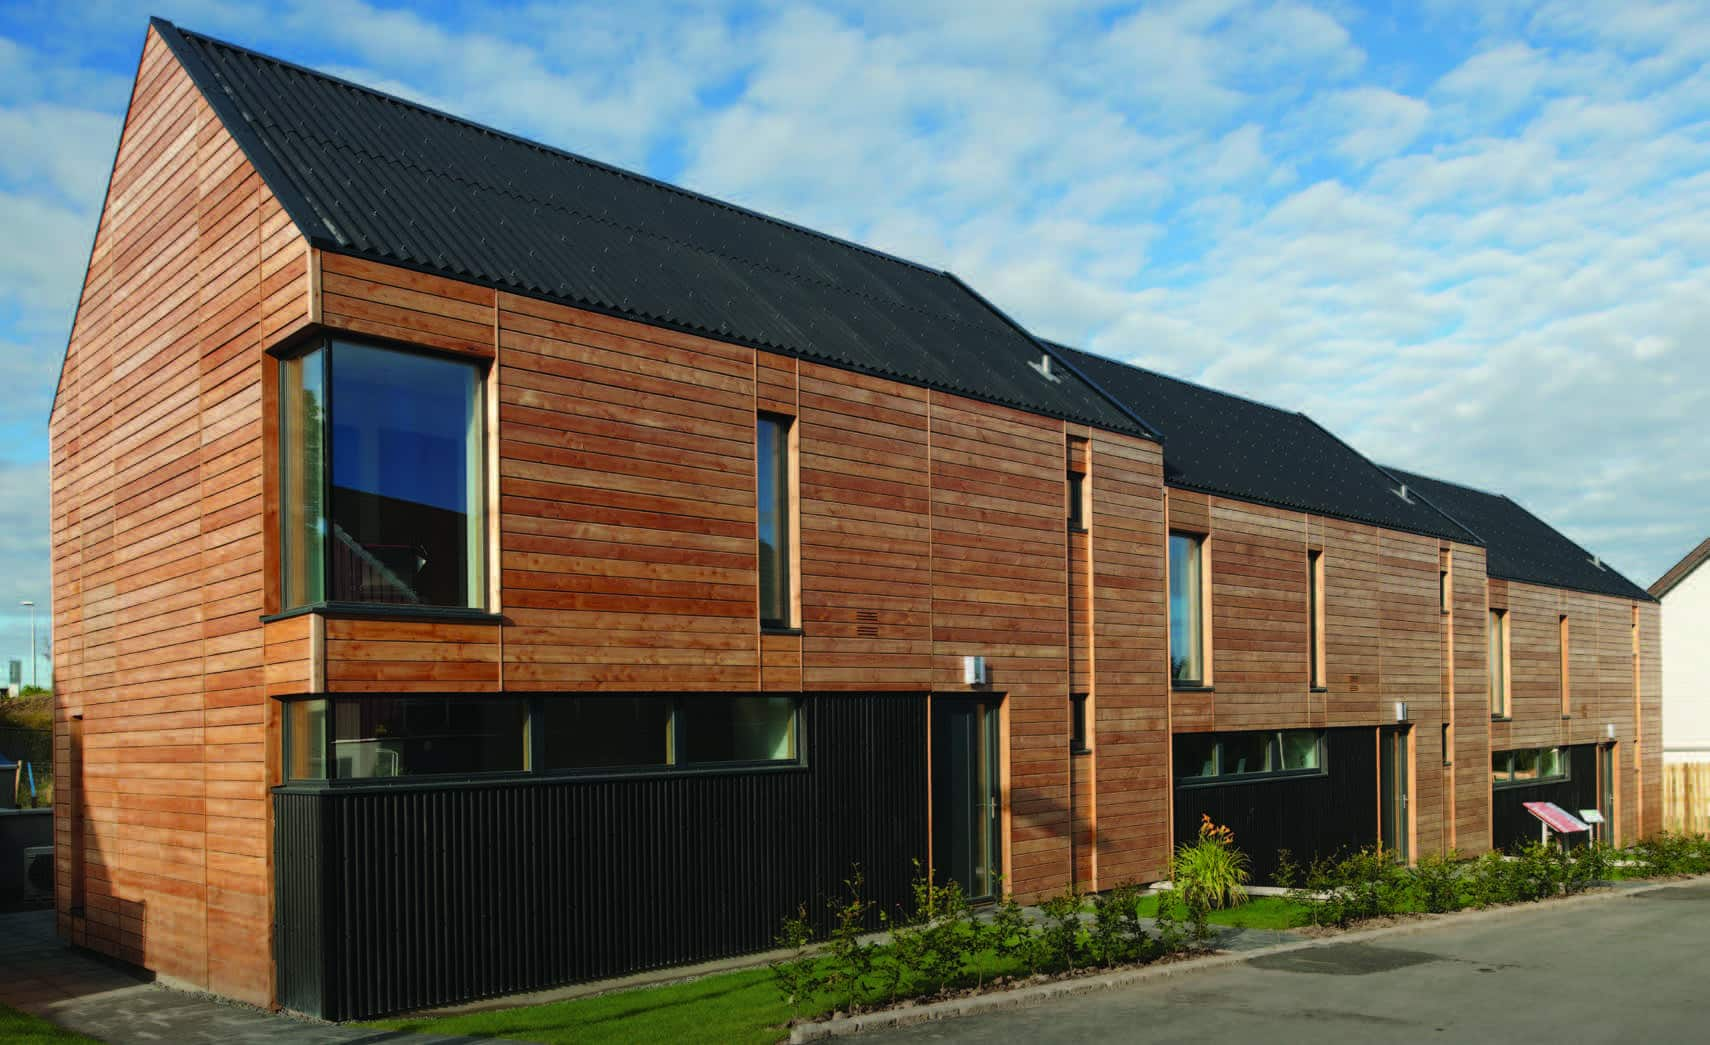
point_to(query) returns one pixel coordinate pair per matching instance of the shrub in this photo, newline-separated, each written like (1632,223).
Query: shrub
(1012,936)
(1117,936)
(1062,936)
(1493,880)
(849,962)
(797,976)
(1436,881)
(1210,874)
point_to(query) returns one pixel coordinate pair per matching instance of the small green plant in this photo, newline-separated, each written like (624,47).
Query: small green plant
(1012,936)
(1172,934)
(1437,882)
(1062,936)
(1117,935)
(1492,881)
(797,976)
(849,960)
(1210,874)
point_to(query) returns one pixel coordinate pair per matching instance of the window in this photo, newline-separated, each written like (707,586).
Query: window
(428,736)
(1315,611)
(377,738)
(1229,757)
(1445,583)
(1078,724)
(1077,501)
(1187,610)
(1499,663)
(1529,765)
(382,478)
(1566,667)
(775,503)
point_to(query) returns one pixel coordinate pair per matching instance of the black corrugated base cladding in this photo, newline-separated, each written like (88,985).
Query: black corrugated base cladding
(1511,825)
(403,898)
(1308,816)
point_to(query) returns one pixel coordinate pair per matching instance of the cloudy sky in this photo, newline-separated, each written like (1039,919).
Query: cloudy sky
(1473,238)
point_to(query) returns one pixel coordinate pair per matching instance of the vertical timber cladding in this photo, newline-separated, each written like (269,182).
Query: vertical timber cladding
(157,442)
(438,895)
(1471,769)
(1310,816)
(1512,825)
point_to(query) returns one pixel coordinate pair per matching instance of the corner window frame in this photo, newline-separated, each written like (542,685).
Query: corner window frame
(479,535)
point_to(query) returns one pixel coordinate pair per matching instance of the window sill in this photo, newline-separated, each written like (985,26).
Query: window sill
(387,611)
(774,629)
(1502,718)
(1318,689)
(1077,529)
(1079,750)
(1191,687)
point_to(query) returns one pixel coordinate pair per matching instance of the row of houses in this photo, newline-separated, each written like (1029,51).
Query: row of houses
(478,568)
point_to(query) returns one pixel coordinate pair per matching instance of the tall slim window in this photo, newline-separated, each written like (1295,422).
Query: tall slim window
(1315,610)
(1077,500)
(1187,609)
(382,478)
(1499,663)
(772,450)
(1567,667)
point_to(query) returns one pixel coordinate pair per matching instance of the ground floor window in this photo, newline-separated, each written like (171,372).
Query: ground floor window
(385,737)
(1216,757)
(1528,765)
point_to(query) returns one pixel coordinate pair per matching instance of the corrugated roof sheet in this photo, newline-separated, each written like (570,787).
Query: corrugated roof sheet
(1224,444)
(1519,546)
(368,174)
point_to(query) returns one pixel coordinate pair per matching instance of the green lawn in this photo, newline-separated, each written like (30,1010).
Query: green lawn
(1261,912)
(733,1007)
(20,1028)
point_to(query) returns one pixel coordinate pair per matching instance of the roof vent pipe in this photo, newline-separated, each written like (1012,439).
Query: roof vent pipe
(1402,493)
(1044,368)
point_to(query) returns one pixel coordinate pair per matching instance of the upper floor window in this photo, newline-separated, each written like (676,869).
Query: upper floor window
(1499,663)
(775,509)
(1077,500)
(1566,664)
(1078,723)
(382,478)
(1187,609)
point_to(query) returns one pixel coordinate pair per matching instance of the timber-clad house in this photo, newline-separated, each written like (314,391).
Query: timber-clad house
(477,568)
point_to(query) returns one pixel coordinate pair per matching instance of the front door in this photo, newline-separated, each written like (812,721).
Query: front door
(966,844)
(1393,774)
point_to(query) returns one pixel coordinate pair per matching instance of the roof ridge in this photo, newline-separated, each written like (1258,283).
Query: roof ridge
(1387,474)
(1172,377)
(1686,567)
(1458,485)
(574,157)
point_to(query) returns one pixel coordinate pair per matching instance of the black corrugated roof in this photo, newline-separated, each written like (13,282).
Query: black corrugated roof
(1225,444)
(1519,546)
(370,175)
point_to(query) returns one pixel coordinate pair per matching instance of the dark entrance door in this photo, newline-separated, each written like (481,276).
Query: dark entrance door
(966,847)
(1393,776)
(1606,793)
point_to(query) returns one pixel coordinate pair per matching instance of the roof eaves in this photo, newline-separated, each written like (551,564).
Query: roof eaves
(1057,353)
(1308,509)
(1681,570)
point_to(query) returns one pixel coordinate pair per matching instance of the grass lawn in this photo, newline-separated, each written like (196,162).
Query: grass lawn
(1260,912)
(24,1029)
(732,1007)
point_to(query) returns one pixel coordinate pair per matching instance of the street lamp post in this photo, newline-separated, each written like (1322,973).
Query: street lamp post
(31,604)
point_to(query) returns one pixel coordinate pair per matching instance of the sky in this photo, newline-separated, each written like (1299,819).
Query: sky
(1469,236)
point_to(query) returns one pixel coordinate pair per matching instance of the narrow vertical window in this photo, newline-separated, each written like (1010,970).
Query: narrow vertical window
(1445,583)
(772,447)
(1499,663)
(1078,724)
(1077,501)
(1315,611)
(302,445)
(1567,683)
(1187,610)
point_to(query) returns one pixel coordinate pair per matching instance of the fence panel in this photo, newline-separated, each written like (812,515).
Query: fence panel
(1686,797)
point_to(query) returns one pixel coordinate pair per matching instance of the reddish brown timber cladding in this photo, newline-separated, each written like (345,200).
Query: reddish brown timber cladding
(157,486)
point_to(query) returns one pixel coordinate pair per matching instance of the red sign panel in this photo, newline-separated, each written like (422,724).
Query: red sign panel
(1560,820)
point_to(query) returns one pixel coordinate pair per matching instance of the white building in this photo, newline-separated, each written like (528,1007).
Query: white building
(1685,594)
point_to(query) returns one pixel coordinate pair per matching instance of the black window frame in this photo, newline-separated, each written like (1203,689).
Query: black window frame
(1563,762)
(1274,747)
(534,740)
(478,605)
(1077,493)
(784,547)
(1079,725)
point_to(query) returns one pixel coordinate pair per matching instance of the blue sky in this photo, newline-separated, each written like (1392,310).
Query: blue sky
(1469,237)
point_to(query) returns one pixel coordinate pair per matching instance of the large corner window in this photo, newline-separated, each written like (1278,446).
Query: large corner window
(1499,663)
(1187,610)
(774,504)
(382,478)
(1206,758)
(1527,765)
(378,738)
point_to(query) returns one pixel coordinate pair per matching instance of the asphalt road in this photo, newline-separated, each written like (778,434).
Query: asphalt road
(1628,969)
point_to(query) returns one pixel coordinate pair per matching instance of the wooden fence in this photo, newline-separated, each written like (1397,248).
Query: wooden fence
(1686,797)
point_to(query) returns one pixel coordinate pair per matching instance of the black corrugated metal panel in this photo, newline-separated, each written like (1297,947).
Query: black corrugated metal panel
(1225,444)
(1519,546)
(1512,825)
(370,175)
(399,898)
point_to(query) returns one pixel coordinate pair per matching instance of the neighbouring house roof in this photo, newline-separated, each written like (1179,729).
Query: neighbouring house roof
(1224,444)
(1681,570)
(374,176)
(1519,546)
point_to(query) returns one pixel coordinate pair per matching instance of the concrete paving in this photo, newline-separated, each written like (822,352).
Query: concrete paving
(1629,968)
(114,1003)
